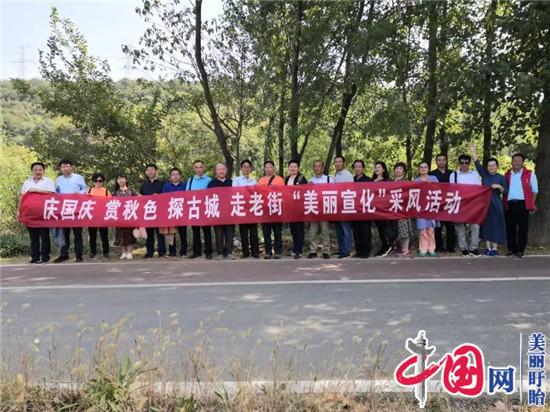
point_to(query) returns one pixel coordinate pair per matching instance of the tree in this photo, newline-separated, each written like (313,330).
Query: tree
(431,100)
(528,41)
(167,47)
(105,129)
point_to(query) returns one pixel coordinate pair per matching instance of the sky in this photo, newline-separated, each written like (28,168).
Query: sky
(106,25)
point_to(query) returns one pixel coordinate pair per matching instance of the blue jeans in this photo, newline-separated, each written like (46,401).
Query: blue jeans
(344,236)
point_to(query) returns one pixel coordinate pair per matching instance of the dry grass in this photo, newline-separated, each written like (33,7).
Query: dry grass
(121,374)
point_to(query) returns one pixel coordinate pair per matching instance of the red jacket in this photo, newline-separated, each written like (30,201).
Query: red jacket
(526,185)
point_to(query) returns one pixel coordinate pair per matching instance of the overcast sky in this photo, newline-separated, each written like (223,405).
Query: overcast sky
(106,25)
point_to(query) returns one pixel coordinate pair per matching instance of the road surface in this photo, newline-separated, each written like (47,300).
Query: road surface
(306,319)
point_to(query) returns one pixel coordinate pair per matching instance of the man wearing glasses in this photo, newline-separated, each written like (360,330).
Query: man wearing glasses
(465,176)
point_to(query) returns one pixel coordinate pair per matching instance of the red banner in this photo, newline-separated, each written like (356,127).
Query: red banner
(262,204)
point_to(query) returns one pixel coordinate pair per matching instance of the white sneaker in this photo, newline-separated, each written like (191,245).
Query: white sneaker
(129,256)
(123,256)
(387,252)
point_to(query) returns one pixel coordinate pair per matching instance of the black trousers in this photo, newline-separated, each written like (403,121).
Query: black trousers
(298,232)
(362,238)
(517,226)
(276,229)
(104,234)
(197,243)
(249,239)
(450,236)
(40,243)
(387,230)
(182,231)
(150,242)
(78,243)
(224,239)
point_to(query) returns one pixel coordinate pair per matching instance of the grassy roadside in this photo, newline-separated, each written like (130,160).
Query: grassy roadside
(112,396)
(121,371)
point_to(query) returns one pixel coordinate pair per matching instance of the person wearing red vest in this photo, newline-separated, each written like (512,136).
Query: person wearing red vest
(519,203)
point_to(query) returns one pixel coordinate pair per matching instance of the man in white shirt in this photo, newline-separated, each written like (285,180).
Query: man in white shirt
(465,176)
(249,231)
(343,229)
(319,230)
(40,237)
(519,203)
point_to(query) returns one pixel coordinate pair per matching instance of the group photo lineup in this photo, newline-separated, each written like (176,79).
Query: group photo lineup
(274,205)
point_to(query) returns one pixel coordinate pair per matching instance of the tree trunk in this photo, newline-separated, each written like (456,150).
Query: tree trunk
(443,139)
(281,131)
(408,154)
(294,113)
(268,144)
(540,224)
(488,95)
(220,135)
(336,144)
(350,87)
(431,104)
(339,140)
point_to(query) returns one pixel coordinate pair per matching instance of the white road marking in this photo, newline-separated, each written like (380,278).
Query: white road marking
(274,283)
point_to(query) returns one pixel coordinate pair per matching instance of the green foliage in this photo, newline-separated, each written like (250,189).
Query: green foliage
(107,130)
(112,390)
(15,161)
(14,244)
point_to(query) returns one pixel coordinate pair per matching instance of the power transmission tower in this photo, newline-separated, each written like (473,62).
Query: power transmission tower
(22,61)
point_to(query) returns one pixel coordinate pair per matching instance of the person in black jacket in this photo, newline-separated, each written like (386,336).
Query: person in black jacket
(223,233)
(361,228)
(443,174)
(387,229)
(151,186)
(297,229)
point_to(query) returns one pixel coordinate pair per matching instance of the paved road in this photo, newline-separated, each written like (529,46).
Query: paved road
(307,319)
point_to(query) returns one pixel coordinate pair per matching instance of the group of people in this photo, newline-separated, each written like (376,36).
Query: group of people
(513,199)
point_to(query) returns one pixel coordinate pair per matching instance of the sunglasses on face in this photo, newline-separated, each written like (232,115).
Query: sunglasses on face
(98,181)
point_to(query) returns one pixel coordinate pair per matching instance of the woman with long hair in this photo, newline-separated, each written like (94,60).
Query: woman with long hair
(426,227)
(124,236)
(403,225)
(387,229)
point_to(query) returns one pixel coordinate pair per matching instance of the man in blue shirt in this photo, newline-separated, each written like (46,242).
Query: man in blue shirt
(197,182)
(70,183)
(176,185)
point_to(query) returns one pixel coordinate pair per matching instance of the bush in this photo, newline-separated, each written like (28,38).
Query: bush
(14,244)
